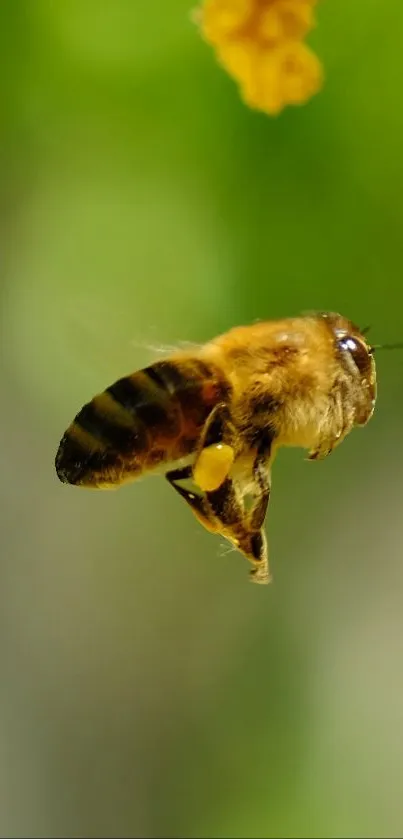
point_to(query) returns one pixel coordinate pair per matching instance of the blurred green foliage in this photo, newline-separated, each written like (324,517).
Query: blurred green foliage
(147,688)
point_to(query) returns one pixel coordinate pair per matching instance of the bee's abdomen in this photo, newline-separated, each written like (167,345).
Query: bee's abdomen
(138,423)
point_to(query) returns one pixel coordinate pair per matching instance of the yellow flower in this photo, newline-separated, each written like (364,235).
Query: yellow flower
(285,20)
(259,43)
(224,18)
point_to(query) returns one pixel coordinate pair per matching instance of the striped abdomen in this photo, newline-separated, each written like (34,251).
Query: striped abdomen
(139,423)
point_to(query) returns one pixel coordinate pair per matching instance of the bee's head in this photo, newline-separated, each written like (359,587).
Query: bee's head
(356,357)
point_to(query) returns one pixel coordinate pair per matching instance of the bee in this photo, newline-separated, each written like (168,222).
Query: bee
(211,419)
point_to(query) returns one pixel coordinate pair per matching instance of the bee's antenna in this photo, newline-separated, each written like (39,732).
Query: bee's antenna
(365,330)
(386,347)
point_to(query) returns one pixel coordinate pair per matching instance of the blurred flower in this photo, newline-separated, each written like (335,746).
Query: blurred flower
(260,44)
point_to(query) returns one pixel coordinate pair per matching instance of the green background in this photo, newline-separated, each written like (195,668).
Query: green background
(146,687)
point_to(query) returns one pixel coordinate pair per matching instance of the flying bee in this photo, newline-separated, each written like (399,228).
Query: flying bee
(212,419)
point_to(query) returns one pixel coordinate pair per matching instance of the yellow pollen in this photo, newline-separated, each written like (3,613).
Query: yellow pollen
(260,44)
(212,466)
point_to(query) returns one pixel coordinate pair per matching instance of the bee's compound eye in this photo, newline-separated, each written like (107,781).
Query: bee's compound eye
(358,352)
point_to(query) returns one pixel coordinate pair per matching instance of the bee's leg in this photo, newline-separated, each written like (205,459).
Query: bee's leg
(320,453)
(262,478)
(217,427)
(228,509)
(215,451)
(254,548)
(259,557)
(197,503)
(256,534)
(326,447)
(222,512)
(343,423)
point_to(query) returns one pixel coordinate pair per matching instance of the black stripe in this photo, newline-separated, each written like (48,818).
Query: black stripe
(129,394)
(184,387)
(120,437)
(205,372)
(155,416)
(141,402)
(74,461)
(181,375)
(156,377)
(184,382)
(167,375)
